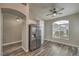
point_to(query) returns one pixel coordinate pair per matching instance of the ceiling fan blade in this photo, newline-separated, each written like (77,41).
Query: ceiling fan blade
(48,14)
(51,10)
(60,9)
(59,13)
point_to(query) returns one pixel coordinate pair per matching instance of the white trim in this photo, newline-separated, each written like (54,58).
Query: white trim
(5,44)
(63,43)
(24,49)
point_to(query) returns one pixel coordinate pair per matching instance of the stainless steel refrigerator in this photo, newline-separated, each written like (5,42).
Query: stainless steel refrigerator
(34,37)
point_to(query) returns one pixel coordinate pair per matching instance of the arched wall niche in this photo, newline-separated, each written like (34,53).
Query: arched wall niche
(14,12)
(18,9)
(15,6)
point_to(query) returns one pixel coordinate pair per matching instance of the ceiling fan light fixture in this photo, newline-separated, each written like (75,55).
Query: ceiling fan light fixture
(54,14)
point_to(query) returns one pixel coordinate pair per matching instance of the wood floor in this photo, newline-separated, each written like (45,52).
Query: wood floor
(10,48)
(47,49)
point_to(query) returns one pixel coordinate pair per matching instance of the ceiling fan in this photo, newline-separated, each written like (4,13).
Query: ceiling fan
(54,12)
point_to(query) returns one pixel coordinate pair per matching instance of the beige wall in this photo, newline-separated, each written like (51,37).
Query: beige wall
(1,30)
(12,30)
(41,24)
(25,40)
(73,30)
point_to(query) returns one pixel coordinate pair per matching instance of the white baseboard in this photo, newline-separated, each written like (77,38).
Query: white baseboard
(5,44)
(63,43)
(24,49)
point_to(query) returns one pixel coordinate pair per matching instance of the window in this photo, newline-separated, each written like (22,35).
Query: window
(61,29)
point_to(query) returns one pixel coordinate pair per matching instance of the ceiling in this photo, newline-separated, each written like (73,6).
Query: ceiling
(40,10)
